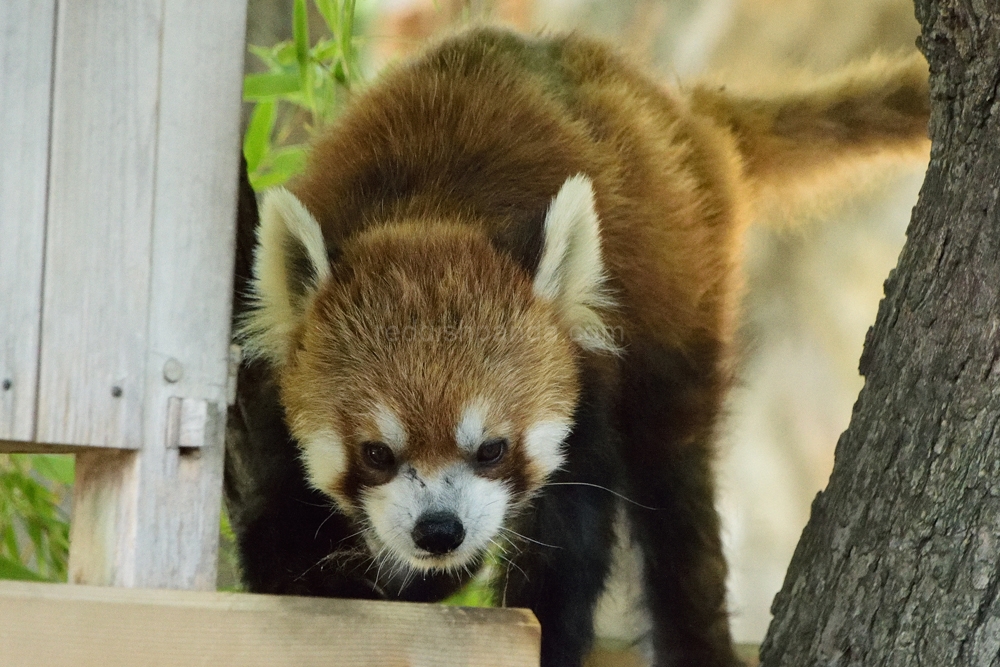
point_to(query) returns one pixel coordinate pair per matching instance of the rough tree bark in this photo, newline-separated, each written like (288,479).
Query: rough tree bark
(899,562)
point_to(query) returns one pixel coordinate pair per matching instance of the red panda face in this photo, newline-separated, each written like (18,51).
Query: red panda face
(431,391)
(429,380)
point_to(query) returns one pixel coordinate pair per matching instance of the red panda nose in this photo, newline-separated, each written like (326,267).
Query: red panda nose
(438,532)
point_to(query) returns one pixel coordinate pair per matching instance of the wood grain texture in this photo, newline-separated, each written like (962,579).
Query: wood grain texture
(26,33)
(898,564)
(100,203)
(151,520)
(81,626)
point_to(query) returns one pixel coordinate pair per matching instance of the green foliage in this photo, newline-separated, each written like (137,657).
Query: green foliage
(228,578)
(304,89)
(476,593)
(34,529)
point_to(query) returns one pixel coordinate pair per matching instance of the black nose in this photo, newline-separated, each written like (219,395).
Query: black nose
(438,532)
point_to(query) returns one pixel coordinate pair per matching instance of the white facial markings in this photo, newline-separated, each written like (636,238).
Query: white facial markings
(543,444)
(394,509)
(392,431)
(325,458)
(471,427)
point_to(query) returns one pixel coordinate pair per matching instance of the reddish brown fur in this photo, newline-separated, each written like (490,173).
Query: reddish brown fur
(395,292)
(431,192)
(493,146)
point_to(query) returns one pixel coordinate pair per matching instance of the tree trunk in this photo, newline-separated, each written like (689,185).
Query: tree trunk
(900,561)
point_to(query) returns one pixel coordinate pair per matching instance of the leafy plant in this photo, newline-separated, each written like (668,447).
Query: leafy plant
(304,88)
(479,591)
(228,578)
(34,529)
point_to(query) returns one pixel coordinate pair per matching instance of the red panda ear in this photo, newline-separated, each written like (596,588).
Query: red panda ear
(290,263)
(571,271)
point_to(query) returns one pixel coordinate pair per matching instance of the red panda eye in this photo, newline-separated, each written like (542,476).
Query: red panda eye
(378,455)
(491,451)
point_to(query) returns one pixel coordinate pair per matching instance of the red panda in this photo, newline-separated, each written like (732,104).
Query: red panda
(498,310)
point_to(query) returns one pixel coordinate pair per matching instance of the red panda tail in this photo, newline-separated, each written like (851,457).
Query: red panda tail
(796,144)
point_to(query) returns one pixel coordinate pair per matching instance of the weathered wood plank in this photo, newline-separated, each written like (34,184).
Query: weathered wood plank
(100,206)
(152,520)
(79,626)
(26,33)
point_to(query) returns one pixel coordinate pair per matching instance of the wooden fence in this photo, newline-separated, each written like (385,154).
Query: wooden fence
(116,249)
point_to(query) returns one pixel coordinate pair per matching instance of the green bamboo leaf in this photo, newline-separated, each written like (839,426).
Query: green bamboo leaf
(279,57)
(477,593)
(347,36)
(270,86)
(56,467)
(36,534)
(281,165)
(10,543)
(268,179)
(226,527)
(326,100)
(284,53)
(290,160)
(340,73)
(265,55)
(325,50)
(10,569)
(328,10)
(300,31)
(22,462)
(257,141)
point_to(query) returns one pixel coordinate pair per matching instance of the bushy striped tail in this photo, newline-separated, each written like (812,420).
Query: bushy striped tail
(797,143)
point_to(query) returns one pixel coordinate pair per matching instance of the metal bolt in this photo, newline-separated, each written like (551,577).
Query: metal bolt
(173,371)
(7,384)
(116,391)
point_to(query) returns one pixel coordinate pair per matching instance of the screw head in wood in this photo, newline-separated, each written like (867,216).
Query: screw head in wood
(116,391)
(7,384)
(173,371)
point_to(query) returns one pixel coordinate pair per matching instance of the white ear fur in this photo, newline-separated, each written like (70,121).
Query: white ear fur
(571,272)
(290,263)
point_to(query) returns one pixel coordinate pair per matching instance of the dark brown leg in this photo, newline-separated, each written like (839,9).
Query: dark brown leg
(668,409)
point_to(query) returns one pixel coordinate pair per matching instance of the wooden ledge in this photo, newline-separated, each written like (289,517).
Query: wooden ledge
(24,447)
(60,625)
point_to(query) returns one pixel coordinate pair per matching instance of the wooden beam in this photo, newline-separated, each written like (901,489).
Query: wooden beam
(25,97)
(151,519)
(100,204)
(24,447)
(59,625)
